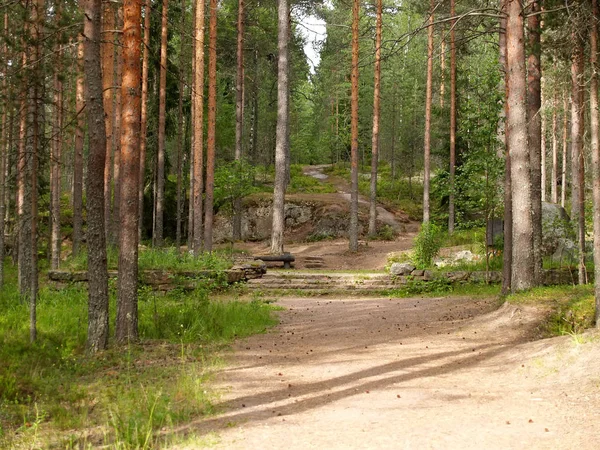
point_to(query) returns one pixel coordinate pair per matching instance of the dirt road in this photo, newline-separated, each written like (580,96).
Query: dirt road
(443,373)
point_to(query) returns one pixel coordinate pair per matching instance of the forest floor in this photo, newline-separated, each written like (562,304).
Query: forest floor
(447,373)
(403,373)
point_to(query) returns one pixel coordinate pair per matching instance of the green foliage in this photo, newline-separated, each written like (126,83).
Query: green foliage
(427,245)
(320,236)
(135,390)
(305,184)
(234,180)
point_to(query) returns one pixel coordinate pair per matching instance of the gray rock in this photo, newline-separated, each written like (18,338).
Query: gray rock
(417,273)
(401,268)
(558,236)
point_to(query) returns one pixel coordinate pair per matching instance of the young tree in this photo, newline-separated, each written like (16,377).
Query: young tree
(162,99)
(283,128)
(212,123)
(554,180)
(428,98)
(127,314)
(516,124)
(96,239)
(376,114)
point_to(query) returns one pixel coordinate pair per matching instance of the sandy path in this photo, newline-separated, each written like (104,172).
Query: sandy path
(444,373)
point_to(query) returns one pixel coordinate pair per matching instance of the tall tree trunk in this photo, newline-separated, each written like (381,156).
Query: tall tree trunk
(428,97)
(563,193)
(443,67)
(78,156)
(239,115)
(162,104)
(96,238)
(144,116)
(595,141)
(523,275)
(534,102)
(198,94)
(353,229)
(127,313)
(180,136)
(116,137)
(55,154)
(554,179)
(23,190)
(211,126)
(108,64)
(4,149)
(451,207)
(508,217)
(375,137)
(283,131)
(577,209)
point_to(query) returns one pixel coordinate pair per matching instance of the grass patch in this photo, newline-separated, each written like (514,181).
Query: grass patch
(161,259)
(125,395)
(442,287)
(305,184)
(571,307)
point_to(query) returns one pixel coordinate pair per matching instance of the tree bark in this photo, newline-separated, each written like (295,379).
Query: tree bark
(554,180)
(282,132)
(523,274)
(376,114)
(239,115)
(96,238)
(180,136)
(55,153)
(507,252)
(577,209)
(563,193)
(451,182)
(595,143)
(211,128)
(198,94)
(428,98)
(108,64)
(116,137)
(78,154)
(144,117)
(127,311)
(534,103)
(353,229)
(162,104)
(4,149)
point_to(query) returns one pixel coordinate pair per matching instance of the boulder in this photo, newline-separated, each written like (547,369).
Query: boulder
(400,269)
(558,237)
(464,256)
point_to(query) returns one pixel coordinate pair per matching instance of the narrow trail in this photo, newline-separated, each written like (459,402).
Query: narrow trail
(443,373)
(343,188)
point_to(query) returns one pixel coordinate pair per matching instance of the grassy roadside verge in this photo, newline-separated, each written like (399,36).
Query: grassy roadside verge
(53,394)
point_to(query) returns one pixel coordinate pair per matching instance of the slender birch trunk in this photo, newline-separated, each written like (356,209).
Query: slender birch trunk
(565,149)
(554,180)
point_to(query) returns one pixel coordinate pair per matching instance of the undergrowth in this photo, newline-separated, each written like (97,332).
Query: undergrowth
(161,259)
(126,394)
(571,308)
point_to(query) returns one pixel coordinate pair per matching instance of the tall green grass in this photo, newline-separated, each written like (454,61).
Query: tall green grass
(124,394)
(161,259)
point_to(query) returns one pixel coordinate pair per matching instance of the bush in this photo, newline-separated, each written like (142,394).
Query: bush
(427,245)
